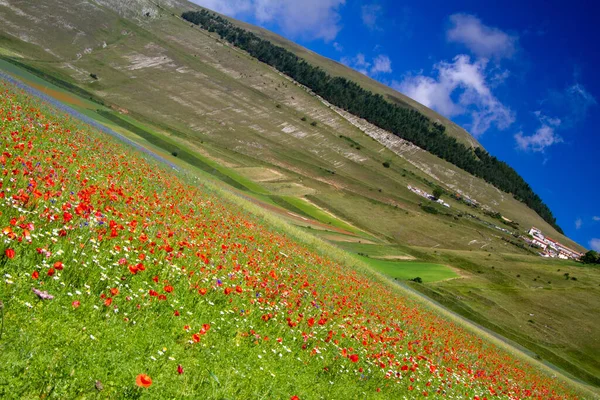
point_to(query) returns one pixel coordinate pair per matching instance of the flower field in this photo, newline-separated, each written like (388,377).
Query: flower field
(122,278)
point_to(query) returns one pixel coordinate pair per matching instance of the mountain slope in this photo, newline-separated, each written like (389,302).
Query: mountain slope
(125,278)
(79,46)
(188,95)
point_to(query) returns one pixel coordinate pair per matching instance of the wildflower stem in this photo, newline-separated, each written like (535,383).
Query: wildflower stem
(1,319)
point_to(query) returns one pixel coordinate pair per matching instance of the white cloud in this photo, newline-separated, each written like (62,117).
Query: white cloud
(380,64)
(572,104)
(228,7)
(595,244)
(543,137)
(579,101)
(469,82)
(578,223)
(357,62)
(480,39)
(338,47)
(369,14)
(596,218)
(312,19)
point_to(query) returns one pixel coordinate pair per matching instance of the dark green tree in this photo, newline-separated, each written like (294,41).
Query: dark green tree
(591,257)
(395,117)
(438,192)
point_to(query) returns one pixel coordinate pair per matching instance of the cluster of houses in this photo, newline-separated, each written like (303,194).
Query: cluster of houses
(428,196)
(550,247)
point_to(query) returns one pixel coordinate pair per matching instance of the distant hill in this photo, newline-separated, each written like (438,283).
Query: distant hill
(124,44)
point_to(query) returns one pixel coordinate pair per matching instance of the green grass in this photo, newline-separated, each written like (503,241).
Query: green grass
(406,270)
(226,102)
(320,215)
(527,299)
(107,323)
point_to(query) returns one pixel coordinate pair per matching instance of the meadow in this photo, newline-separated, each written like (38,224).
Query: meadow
(123,278)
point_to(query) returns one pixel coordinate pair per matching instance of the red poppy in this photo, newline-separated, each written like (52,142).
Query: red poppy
(179,369)
(354,358)
(76,304)
(168,289)
(108,302)
(205,328)
(143,380)
(58,265)
(35,274)
(227,290)
(51,271)
(114,291)
(196,338)
(202,291)
(10,253)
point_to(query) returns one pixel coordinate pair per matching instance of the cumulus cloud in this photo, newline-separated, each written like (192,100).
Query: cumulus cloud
(545,136)
(379,65)
(228,7)
(572,105)
(578,223)
(460,88)
(595,244)
(312,19)
(369,14)
(480,39)
(358,62)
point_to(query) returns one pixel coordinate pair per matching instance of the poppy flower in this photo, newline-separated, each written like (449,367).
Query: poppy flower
(76,303)
(143,380)
(58,265)
(35,274)
(179,369)
(10,253)
(196,338)
(354,358)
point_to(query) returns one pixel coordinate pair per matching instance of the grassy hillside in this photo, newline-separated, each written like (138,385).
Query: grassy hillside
(151,48)
(128,279)
(203,105)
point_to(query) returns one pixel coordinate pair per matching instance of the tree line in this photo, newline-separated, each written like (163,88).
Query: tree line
(405,123)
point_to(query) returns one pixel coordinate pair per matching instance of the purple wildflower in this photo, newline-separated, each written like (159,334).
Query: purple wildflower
(42,295)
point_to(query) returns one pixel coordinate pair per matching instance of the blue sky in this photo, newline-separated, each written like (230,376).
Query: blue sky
(520,77)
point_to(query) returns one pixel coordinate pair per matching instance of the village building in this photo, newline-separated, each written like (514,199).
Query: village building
(551,247)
